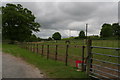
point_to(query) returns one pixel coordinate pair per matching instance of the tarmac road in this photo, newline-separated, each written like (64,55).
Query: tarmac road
(13,67)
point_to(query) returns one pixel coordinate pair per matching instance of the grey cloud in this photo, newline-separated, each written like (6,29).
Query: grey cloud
(78,9)
(119,11)
(63,16)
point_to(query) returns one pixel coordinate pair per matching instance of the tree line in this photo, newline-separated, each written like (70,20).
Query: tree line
(110,30)
(18,24)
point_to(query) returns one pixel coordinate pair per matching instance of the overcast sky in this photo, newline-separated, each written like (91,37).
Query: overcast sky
(69,18)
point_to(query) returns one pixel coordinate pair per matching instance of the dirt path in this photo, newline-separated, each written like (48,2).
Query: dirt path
(13,67)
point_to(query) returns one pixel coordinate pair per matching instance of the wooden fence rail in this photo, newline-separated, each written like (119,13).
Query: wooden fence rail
(45,51)
(87,65)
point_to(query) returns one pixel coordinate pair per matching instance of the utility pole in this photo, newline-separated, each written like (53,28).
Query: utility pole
(86,32)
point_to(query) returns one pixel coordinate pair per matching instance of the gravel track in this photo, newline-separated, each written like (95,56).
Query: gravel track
(13,67)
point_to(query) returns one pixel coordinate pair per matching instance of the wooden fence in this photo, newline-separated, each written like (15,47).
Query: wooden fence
(70,53)
(64,53)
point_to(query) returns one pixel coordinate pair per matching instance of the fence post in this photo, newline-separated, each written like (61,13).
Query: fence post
(37,48)
(89,56)
(42,49)
(56,52)
(66,59)
(31,47)
(26,45)
(83,68)
(34,48)
(47,51)
(23,45)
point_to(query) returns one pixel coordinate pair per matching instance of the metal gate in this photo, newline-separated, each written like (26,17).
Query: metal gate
(103,62)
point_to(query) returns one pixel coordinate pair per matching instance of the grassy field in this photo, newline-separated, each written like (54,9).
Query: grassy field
(75,51)
(51,68)
(103,43)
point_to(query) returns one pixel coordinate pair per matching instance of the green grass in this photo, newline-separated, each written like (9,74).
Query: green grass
(73,51)
(103,43)
(58,69)
(77,52)
(51,68)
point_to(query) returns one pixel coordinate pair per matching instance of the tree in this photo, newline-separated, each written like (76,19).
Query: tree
(106,30)
(82,34)
(39,39)
(32,38)
(49,39)
(116,29)
(56,36)
(18,22)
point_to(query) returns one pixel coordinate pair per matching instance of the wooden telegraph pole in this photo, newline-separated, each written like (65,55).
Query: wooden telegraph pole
(86,32)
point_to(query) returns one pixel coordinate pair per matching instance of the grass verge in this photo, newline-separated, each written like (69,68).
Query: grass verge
(51,68)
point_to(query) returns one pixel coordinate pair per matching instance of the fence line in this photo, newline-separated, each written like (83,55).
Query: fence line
(44,50)
(62,53)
